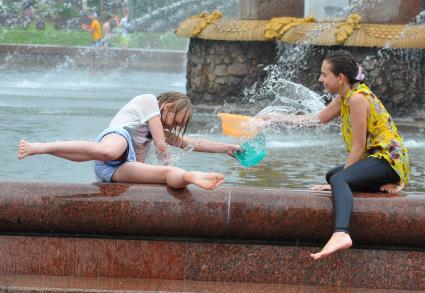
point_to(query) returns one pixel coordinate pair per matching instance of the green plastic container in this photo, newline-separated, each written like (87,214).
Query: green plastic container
(253,151)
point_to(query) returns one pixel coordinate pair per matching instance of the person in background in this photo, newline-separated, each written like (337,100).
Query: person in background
(123,27)
(95,29)
(107,28)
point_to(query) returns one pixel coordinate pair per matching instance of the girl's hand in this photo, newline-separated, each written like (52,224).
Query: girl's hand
(162,153)
(321,187)
(233,148)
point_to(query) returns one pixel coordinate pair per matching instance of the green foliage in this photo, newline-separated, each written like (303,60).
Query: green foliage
(48,36)
(43,9)
(166,15)
(138,7)
(65,9)
(3,9)
(94,5)
(51,36)
(12,7)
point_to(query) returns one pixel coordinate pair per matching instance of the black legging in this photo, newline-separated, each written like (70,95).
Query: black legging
(366,175)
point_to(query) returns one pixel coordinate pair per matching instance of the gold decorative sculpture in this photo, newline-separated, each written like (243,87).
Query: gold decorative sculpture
(304,30)
(196,24)
(345,29)
(278,26)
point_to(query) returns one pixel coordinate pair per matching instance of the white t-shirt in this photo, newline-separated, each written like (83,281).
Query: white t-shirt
(134,116)
(124,26)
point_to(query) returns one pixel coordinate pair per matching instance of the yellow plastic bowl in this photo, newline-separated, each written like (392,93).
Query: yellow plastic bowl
(237,125)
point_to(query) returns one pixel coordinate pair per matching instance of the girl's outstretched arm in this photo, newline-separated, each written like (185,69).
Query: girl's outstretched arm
(203,145)
(326,115)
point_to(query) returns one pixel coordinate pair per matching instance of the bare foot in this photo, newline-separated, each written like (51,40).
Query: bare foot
(338,241)
(322,187)
(392,188)
(26,149)
(204,180)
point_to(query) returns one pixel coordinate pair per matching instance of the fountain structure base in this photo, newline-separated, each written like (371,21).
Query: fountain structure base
(394,75)
(89,233)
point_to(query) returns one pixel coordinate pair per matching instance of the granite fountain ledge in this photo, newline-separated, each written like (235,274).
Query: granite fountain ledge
(226,235)
(225,213)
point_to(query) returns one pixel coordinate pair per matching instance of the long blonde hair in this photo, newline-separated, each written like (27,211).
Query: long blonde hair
(179,102)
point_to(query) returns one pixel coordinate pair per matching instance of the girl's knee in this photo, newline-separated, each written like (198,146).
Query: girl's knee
(343,177)
(333,171)
(329,175)
(169,170)
(109,153)
(337,177)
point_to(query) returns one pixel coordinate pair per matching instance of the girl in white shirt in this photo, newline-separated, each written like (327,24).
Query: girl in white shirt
(119,150)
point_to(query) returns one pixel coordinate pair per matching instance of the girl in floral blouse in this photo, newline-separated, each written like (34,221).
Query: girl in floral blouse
(377,157)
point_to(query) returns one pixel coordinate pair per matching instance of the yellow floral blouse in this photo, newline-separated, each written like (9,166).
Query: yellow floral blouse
(383,139)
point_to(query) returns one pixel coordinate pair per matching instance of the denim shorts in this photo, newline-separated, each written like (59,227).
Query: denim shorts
(105,170)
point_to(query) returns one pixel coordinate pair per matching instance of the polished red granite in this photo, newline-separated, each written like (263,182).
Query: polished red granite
(91,257)
(97,231)
(366,268)
(146,210)
(74,284)
(167,260)
(225,213)
(377,219)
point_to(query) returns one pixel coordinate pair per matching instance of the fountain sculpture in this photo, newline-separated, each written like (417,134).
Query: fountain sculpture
(238,50)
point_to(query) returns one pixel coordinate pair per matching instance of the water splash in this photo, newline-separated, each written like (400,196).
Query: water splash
(293,98)
(175,154)
(159,17)
(278,93)
(415,143)
(326,10)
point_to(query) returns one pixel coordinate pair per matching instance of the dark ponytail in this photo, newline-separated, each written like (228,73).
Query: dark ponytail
(342,62)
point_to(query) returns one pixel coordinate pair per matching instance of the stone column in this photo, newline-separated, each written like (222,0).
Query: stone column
(388,11)
(219,71)
(266,9)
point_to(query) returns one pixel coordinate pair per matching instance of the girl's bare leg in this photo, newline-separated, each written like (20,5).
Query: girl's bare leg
(111,147)
(338,241)
(136,172)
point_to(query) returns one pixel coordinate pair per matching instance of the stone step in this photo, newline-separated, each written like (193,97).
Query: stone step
(37,283)
(271,263)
